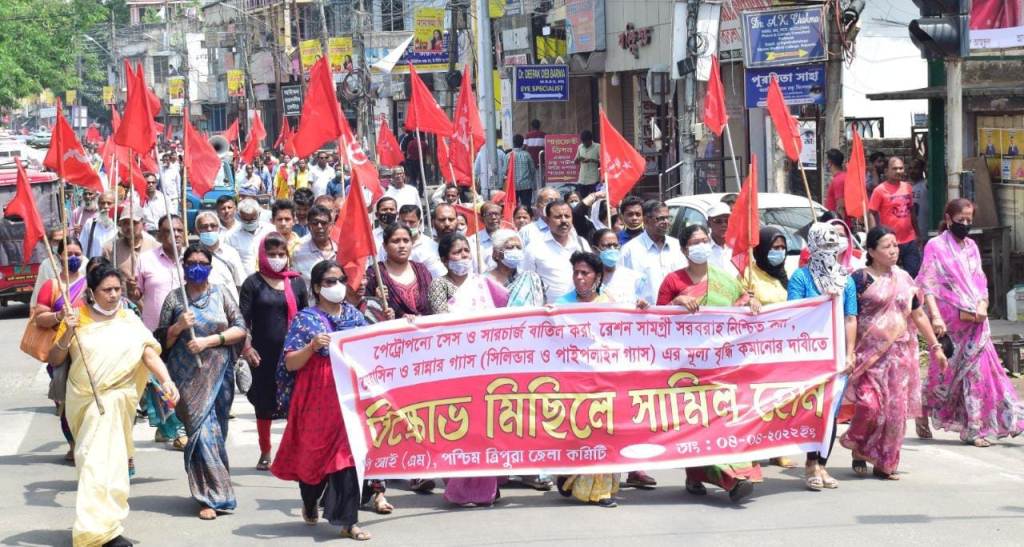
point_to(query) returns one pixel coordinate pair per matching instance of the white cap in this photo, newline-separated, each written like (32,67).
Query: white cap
(718,210)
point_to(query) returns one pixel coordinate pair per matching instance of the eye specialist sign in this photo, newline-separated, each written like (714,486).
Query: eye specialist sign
(803,84)
(588,388)
(784,36)
(540,83)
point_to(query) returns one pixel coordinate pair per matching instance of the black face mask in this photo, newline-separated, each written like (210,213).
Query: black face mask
(959,229)
(386,219)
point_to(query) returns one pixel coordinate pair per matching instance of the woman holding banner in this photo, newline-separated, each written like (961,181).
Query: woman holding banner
(314,449)
(973,396)
(885,385)
(697,285)
(825,274)
(524,288)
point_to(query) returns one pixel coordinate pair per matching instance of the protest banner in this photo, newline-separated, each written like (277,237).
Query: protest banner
(236,83)
(176,88)
(587,388)
(339,53)
(310,51)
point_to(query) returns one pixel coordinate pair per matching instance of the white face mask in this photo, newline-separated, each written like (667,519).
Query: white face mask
(277,264)
(335,293)
(512,258)
(107,313)
(460,267)
(251,226)
(700,253)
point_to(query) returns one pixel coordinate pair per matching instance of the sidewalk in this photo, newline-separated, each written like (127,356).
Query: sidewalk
(1004,329)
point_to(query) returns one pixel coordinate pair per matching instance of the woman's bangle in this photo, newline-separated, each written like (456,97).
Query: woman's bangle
(221,337)
(60,347)
(935,347)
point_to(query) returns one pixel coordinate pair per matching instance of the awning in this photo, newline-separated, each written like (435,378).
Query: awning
(1000,90)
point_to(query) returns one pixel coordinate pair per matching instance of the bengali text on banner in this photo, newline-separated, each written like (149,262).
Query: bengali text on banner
(586,388)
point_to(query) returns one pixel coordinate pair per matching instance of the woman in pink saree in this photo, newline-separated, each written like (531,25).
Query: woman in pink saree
(973,396)
(885,385)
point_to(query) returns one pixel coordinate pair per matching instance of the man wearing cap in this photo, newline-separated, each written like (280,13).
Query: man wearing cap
(721,254)
(129,221)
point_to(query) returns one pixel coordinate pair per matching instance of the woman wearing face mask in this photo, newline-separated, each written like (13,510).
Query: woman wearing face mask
(269,299)
(697,285)
(118,350)
(407,281)
(621,284)
(973,396)
(524,288)
(207,388)
(825,274)
(314,449)
(454,252)
(51,309)
(885,385)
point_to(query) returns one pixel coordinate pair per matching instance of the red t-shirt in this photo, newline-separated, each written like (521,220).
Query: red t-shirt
(835,191)
(894,204)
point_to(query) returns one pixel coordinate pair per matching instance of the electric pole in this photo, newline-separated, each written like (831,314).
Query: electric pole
(486,87)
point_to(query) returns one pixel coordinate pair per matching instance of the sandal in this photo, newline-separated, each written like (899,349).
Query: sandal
(742,489)
(860,467)
(783,461)
(264,463)
(827,480)
(180,442)
(70,456)
(207,513)
(696,488)
(980,442)
(356,533)
(924,431)
(381,505)
(878,473)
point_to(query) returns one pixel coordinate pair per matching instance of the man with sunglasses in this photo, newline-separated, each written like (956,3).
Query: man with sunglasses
(318,246)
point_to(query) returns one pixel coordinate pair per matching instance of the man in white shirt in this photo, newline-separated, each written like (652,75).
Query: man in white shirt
(170,180)
(317,246)
(320,174)
(228,271)
(403,194)
(386,211)
(98,229)
(491,213)
(247,231)
(653,254)
(549,256)
(155,207)
(539,227)
(424,249)
(252,184)
(718,224)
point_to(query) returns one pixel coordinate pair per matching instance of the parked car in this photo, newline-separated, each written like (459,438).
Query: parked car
(18,273)
(208,202)
(788,212)
(40,139)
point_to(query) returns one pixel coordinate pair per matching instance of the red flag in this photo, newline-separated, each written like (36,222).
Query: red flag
(785,124)
(154,101)
(285,135)
(715,116)
(137,130)
(423,113)
(169,133)
(256,135)
(621,164)
(231,133)
(321,115)
(357,245)
(389,154)
(201,161)
(123,154)
(468,132)
(474,222)
(509,202)
(115,119)
(444,159)
(855,193)
(355,157)
(66,157)
(24,206)
(92,135)
(743,233)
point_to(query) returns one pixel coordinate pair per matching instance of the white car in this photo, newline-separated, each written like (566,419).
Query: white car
(788,212)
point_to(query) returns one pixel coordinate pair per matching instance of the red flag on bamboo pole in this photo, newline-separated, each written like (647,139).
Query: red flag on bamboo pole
(284,135)
(350,150)
(474,221)
(743,233)
(66,157)
(231,133)
(24,206)
(137,130)
(321,115)
(715,116)
(201,161)
(621,164)
(467,131)
(423,113)
(256,135)
(855,192)
(785,123)
(357,244)
(444,160)
(389,154)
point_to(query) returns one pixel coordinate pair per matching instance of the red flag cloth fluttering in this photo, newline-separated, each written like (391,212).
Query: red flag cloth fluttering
(231,133)
(444,160)
(389,154)
(285,136)
(467,133)
(785,124)
(715,116)
(321,115)
(357,244)
(256,135)
(509,203)
(66,157)
(137,130)
(201,161)
(621,164)
(855,192)
(744,231)
(352,153)
(24,206)
(423,113)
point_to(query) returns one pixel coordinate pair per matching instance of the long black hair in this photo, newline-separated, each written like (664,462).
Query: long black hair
(874,236)
(320,269)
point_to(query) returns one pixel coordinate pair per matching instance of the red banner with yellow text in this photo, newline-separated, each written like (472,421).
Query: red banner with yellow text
(588,388)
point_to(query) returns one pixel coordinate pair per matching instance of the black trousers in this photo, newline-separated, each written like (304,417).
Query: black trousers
(338,494)
(816,456)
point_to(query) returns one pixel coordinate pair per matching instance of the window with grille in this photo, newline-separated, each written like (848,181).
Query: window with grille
(159,70)
(392,15)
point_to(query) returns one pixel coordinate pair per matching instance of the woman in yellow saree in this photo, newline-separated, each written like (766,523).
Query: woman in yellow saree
(101,401)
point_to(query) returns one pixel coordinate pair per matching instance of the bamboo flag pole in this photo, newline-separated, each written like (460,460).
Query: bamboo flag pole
(476,217)
(113,179)
(177,271)
(423,181)
(131,210)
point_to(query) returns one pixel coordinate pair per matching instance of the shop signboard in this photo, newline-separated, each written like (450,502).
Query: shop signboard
(585,25)
(786,36)
(291,97)
(559,153)
(800,84)
(541,83)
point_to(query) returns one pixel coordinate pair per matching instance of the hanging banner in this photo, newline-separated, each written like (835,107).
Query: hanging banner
(310,51)
(588,388)
(236,83)
(786,36)
(108,94)
(804,84)
(339,52)
(70,96)
(559,156)
(176,88)
(585,25)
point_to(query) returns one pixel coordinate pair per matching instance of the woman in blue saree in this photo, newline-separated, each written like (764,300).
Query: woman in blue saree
(201,343)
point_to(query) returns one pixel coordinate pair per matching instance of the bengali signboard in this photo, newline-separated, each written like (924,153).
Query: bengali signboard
(236,83)
(291,98)
(310,51)
(559,153)
(541,83)
(176,89)
(996,24)
(804,84)
(339,52)
(784,36)
(588,388)
(730,36)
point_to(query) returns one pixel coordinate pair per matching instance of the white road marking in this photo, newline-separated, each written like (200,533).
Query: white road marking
(17,423)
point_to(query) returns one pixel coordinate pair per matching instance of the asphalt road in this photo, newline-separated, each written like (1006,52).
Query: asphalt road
(950,494)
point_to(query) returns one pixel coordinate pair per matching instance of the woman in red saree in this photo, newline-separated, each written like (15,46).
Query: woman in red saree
(885,385)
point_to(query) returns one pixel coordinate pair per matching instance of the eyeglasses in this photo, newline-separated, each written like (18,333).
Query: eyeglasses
(661,219)
(330,281)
